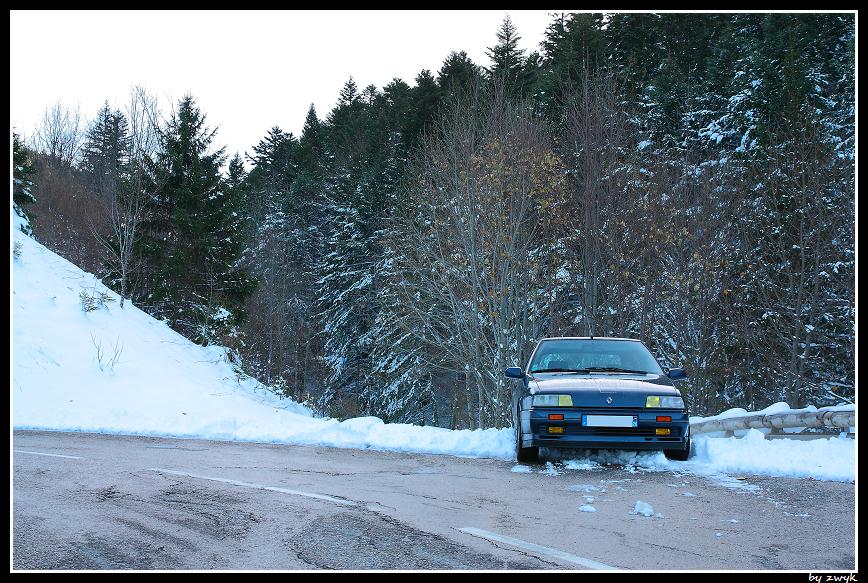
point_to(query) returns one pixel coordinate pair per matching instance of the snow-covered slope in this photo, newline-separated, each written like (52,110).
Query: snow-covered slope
(163,384)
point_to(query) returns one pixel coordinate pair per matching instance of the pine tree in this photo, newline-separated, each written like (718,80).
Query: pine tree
(236,174)
(507,60)
(195,237)
(22,179)
(426,99)
(106,152)
(458,74)
(573,49)
(349,92)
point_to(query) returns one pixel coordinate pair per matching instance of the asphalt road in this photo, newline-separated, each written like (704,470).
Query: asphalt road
(88,501)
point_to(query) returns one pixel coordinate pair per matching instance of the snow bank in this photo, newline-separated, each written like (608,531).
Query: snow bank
(832,459)
(161,383)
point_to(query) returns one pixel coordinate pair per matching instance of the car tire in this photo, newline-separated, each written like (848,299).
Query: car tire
(523,454)
(679,455)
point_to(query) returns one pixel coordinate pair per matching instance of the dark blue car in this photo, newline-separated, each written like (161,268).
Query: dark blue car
(598,393)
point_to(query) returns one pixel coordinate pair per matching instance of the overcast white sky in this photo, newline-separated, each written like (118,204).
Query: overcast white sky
(248,71)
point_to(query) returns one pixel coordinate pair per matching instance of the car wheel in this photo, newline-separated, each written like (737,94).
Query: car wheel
(523,454)
(679,455)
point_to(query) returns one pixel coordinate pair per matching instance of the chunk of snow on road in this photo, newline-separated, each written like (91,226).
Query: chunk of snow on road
(584,488)
(581,465)
(589,499)
(550,470)
(688,494)
(642,508)
(800,514)
(587,508)
(520,469)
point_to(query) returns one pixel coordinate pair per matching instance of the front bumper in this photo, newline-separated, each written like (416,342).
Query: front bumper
(536,423)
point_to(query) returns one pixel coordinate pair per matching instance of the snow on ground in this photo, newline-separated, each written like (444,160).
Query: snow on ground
(831,459)
(163,385)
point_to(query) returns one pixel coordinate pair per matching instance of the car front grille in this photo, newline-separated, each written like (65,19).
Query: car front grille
(638,431)
(614,431)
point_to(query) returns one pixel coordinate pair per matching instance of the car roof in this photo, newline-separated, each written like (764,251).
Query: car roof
(589,338)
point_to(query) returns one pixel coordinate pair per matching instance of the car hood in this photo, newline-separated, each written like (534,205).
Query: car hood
(604,390)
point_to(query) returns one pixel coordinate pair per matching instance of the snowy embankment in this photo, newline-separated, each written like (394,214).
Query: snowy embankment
(114,370)
(161,384)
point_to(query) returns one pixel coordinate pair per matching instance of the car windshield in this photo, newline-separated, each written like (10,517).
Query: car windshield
(587,355)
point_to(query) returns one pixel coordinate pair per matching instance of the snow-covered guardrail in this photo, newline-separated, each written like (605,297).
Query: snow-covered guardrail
(784,420)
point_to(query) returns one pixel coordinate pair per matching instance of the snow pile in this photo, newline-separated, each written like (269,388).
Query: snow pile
(832,459)
(587,508)
(113,370)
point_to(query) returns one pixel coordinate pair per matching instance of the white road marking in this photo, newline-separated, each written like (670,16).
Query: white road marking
(259,487)
(555,553)
(71,457)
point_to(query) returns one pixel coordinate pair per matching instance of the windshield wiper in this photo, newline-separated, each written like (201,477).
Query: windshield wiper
(615,369)
(574,370)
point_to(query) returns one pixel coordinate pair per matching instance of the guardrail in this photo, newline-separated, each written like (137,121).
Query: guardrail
(778,421)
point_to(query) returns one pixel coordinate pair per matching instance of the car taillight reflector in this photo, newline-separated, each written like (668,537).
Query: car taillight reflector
(556,417)
(662,431)
(556,429)
(665,418)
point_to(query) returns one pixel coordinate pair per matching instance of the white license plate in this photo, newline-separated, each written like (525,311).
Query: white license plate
(609,420)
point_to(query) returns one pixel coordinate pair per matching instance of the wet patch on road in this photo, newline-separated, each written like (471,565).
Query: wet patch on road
(350,540)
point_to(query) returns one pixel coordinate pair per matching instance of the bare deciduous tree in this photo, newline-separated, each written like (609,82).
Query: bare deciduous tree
(609,209)
(127,201)
(60,134)
(486,183)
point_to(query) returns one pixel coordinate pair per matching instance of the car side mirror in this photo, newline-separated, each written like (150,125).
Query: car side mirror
(676,374)
(514,372)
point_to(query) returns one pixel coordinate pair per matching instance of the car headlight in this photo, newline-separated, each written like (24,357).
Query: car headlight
(552,401)
(664,402)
